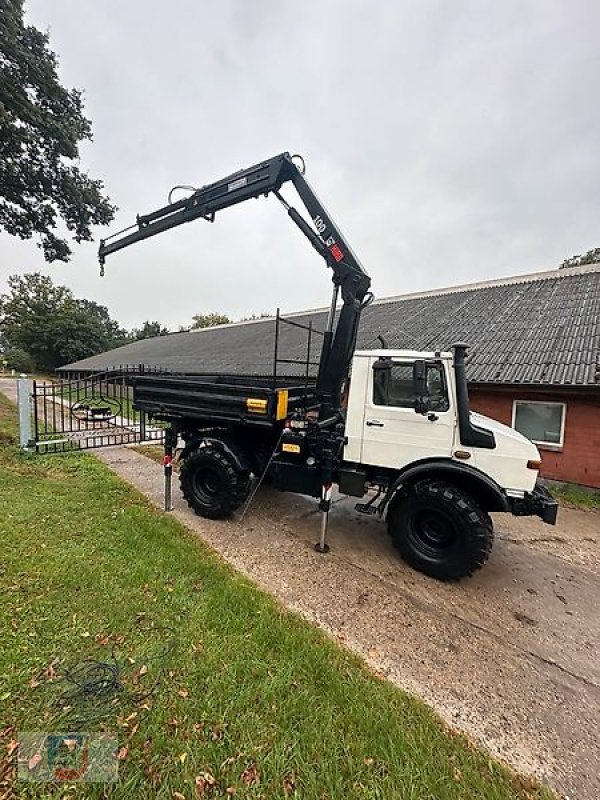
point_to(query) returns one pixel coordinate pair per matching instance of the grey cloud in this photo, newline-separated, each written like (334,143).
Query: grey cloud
(451,141)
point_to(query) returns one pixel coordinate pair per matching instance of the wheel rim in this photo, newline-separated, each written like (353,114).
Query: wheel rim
(432,533)
(207,484)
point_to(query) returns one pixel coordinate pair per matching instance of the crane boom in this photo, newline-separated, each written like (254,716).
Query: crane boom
(348,275)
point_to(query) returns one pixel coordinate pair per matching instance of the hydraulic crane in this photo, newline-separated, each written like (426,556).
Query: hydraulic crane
(350,279)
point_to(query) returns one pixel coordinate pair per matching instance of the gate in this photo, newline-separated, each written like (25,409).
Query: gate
(85,413)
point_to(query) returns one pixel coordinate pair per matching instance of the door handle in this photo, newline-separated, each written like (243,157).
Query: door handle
(374,423)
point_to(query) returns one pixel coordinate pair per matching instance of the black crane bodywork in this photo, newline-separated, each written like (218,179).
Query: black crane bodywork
(349,277)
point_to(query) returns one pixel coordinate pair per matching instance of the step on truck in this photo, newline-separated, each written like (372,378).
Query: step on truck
(391,427)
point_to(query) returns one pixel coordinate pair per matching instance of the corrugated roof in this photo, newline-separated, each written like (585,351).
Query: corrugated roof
(540,329)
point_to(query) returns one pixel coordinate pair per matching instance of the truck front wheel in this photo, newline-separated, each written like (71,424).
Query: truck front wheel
(212,484)
(440,530)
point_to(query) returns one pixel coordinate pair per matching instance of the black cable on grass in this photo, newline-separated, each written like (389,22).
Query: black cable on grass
(96,687)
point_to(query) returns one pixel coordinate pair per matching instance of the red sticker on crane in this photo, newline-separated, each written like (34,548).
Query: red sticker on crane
(336,252)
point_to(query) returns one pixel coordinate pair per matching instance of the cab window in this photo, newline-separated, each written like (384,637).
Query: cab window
(393,386)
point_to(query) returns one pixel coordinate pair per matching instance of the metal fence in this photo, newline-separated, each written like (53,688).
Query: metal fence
(88,412)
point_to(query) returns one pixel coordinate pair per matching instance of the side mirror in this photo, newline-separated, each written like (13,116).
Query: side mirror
(422,399)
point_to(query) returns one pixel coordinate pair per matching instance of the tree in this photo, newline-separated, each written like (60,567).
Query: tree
(149,330)
(41,126)
(209,320)
(591,257)
(51,325)
(18,360)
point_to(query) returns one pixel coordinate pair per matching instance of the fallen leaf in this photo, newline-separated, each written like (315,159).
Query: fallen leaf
(182,757)
(289,784)
(250,775)
(183,693)
(50,672)
(369,762)
(34,761)
(143,669)
(85,634)
(178,796)
(12,746)
(34,683)
(101,638)
(204,783)
(217,732)
(122,754)
(133,731)
(230,790)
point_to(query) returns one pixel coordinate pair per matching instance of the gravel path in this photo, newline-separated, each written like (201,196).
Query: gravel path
(510,657)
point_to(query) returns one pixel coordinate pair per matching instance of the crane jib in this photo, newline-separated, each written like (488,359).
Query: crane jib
(263,179)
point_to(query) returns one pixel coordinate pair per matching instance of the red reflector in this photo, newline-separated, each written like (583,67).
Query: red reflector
(167,460)
(336,252)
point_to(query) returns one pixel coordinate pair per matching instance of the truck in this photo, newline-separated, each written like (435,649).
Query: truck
(389,426)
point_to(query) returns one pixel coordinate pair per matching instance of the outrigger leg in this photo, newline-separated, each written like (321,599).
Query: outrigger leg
(170,445)
(324,506)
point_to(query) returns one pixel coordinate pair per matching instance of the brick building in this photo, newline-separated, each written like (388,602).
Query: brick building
(534,360)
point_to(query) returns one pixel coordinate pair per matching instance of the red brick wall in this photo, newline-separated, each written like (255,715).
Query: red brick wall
(579,459)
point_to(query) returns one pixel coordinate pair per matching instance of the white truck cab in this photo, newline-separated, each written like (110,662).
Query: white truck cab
(384,429)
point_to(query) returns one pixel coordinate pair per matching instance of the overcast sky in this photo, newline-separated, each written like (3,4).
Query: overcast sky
(451,142)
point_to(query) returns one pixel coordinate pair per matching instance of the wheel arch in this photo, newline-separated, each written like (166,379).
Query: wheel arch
(483,489)
(223,442)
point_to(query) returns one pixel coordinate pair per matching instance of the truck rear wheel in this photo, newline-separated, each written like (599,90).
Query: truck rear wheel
(440,530)
(212,484)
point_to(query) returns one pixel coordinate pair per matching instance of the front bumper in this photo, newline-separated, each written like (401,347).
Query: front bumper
(539,503)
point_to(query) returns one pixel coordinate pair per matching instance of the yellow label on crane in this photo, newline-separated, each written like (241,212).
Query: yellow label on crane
(290,448)
(256,405)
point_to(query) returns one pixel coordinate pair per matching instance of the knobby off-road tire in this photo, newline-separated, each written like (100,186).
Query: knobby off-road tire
(212,484)
(440,530)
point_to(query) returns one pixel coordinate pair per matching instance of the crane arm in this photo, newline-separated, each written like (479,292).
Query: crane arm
(349,276)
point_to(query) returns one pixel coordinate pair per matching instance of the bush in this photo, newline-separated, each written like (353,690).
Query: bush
(17,359)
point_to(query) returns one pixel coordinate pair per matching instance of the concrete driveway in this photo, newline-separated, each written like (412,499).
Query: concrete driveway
(510,657)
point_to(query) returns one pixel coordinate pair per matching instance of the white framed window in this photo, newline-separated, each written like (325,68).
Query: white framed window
(542,422)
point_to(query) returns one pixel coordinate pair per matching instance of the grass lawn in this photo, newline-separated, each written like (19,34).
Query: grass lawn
(226,694)
(576,497)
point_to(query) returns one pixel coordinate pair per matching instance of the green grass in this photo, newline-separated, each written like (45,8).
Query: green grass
(576,497)
(246,691)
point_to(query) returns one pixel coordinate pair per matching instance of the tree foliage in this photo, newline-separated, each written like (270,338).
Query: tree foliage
(209,320)
(41,126)
(51,325)
(149,330)
(18,360)
(591,257)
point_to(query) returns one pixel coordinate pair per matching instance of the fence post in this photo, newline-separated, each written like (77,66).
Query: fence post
(24,406)
(141,369)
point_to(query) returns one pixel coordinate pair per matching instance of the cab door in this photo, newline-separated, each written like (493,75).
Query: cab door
(394,434)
